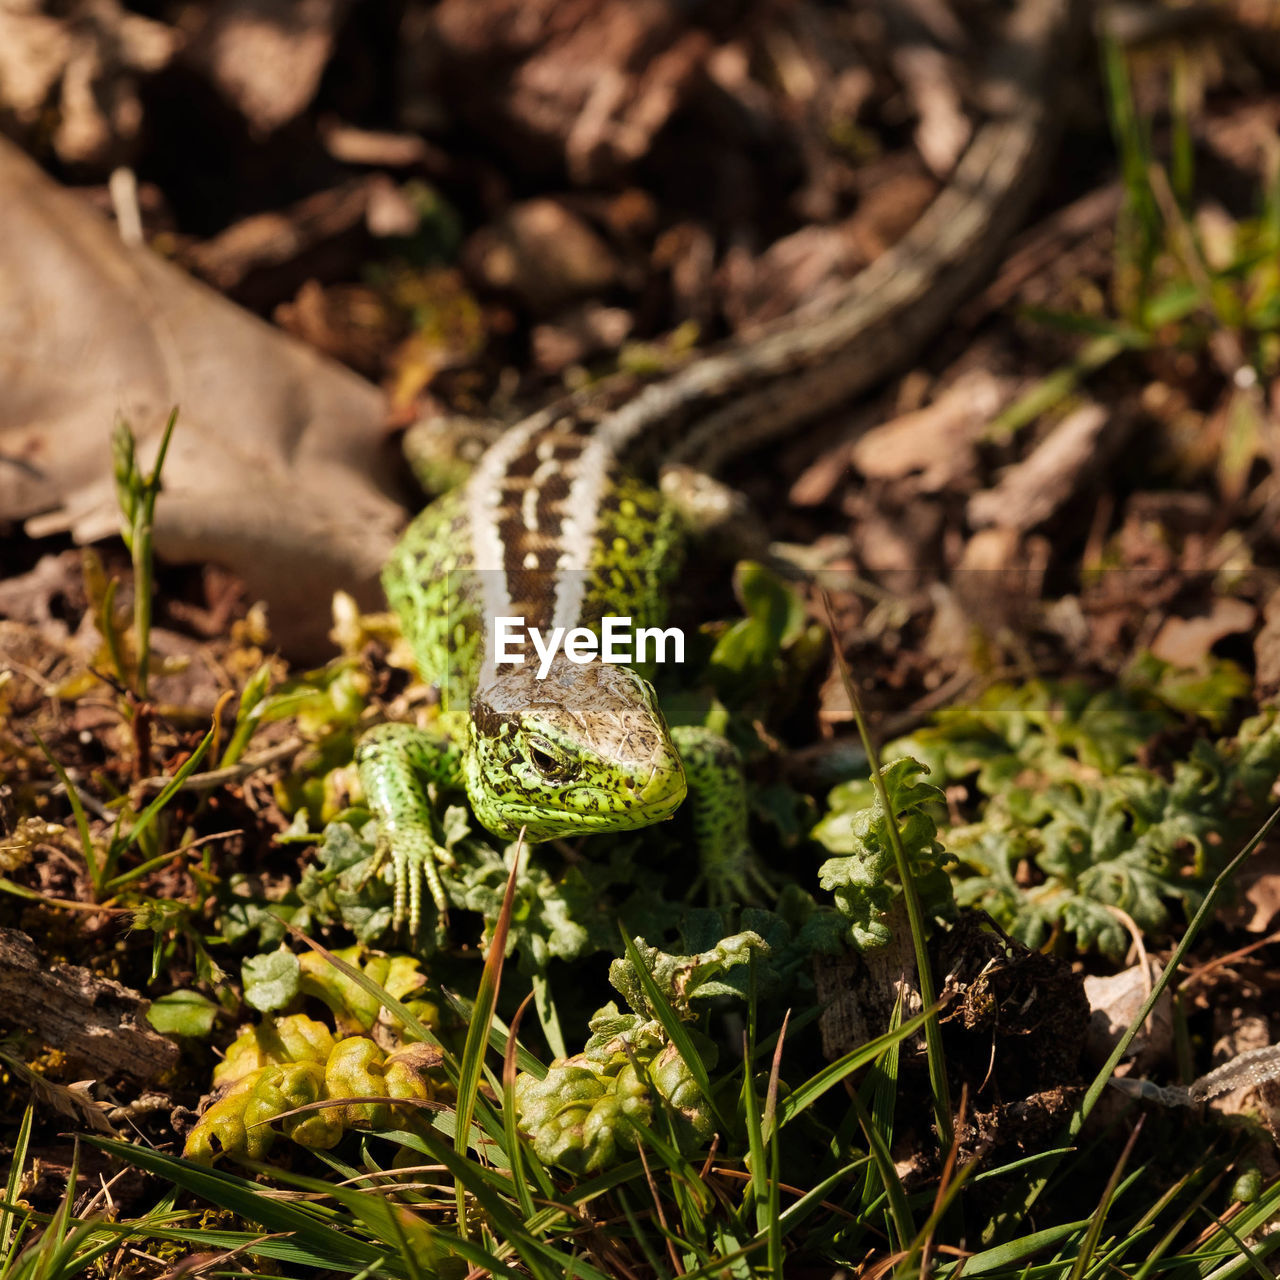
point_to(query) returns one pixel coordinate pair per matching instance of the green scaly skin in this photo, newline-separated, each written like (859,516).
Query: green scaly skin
(584,750)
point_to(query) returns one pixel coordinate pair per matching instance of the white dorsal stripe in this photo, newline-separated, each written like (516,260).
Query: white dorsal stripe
(578,530)
(483,498)
(529,507)
(485,492)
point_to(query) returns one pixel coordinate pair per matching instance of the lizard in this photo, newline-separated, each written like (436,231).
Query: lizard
(561,523)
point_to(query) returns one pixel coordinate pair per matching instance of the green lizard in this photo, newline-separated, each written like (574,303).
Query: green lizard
(585,748)
(553,526)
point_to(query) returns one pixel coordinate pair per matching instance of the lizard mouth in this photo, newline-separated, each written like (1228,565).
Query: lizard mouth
(661,795)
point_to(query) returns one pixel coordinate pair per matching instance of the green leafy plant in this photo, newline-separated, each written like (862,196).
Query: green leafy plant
(864,878)
(136,493)
(284,1068)
(587,1112)
(1069,829)
(287,1062)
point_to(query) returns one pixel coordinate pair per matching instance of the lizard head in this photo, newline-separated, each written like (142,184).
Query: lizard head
(585,749)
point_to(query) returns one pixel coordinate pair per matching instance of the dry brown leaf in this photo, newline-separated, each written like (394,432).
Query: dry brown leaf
(1114,1001)
(78,65)
(1186,642)
(1000,578)
(1256,906)
(1032,490)
(577,334)
(895,192)
(936,444)
(594,82)
(807,266)
(267,56)
(1266,649)
(276,470)
(931,79)
(266,240)
(543,253)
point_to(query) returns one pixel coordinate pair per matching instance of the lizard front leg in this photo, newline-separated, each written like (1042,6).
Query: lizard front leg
(397,762)
(717,796)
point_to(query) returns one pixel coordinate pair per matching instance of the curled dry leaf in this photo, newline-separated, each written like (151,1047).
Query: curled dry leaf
(579,333)
(937,444)
(270,240)
(807,265)
(544,254)
(276,469)
(1186,642)
(1256,907)
(1032,490)
(593,82)
(1114,1001)
(931,80)
(1266,649)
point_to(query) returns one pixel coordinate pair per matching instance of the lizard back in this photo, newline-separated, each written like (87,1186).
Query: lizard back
(551,528)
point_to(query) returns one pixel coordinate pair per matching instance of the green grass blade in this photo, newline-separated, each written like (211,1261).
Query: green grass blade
(477,1042)
(1091,1237)
(167,792)
(805,1095)
(883,1080)
(1157,1254)
(310,1228)
(515,1146)
(1246,1224)
(774,1221)
(1016,1209)
(758,1186)
(393,1006)
(17,1162)
(1055,387)
(790,1219)
(548,1016)
(1014,1251)
(499,1033)
(900,1221)
(536,1254)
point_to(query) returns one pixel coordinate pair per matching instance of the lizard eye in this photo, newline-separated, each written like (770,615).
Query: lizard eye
(547,763)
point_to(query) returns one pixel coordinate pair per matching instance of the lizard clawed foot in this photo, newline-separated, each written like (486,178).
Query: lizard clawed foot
(396,764)
(416,858)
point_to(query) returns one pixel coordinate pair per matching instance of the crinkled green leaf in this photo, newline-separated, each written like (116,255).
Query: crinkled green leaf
(270,981)
(683,979)
(864,881)
(242,916)
(1070,827)
(772,640)
(585,1113)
